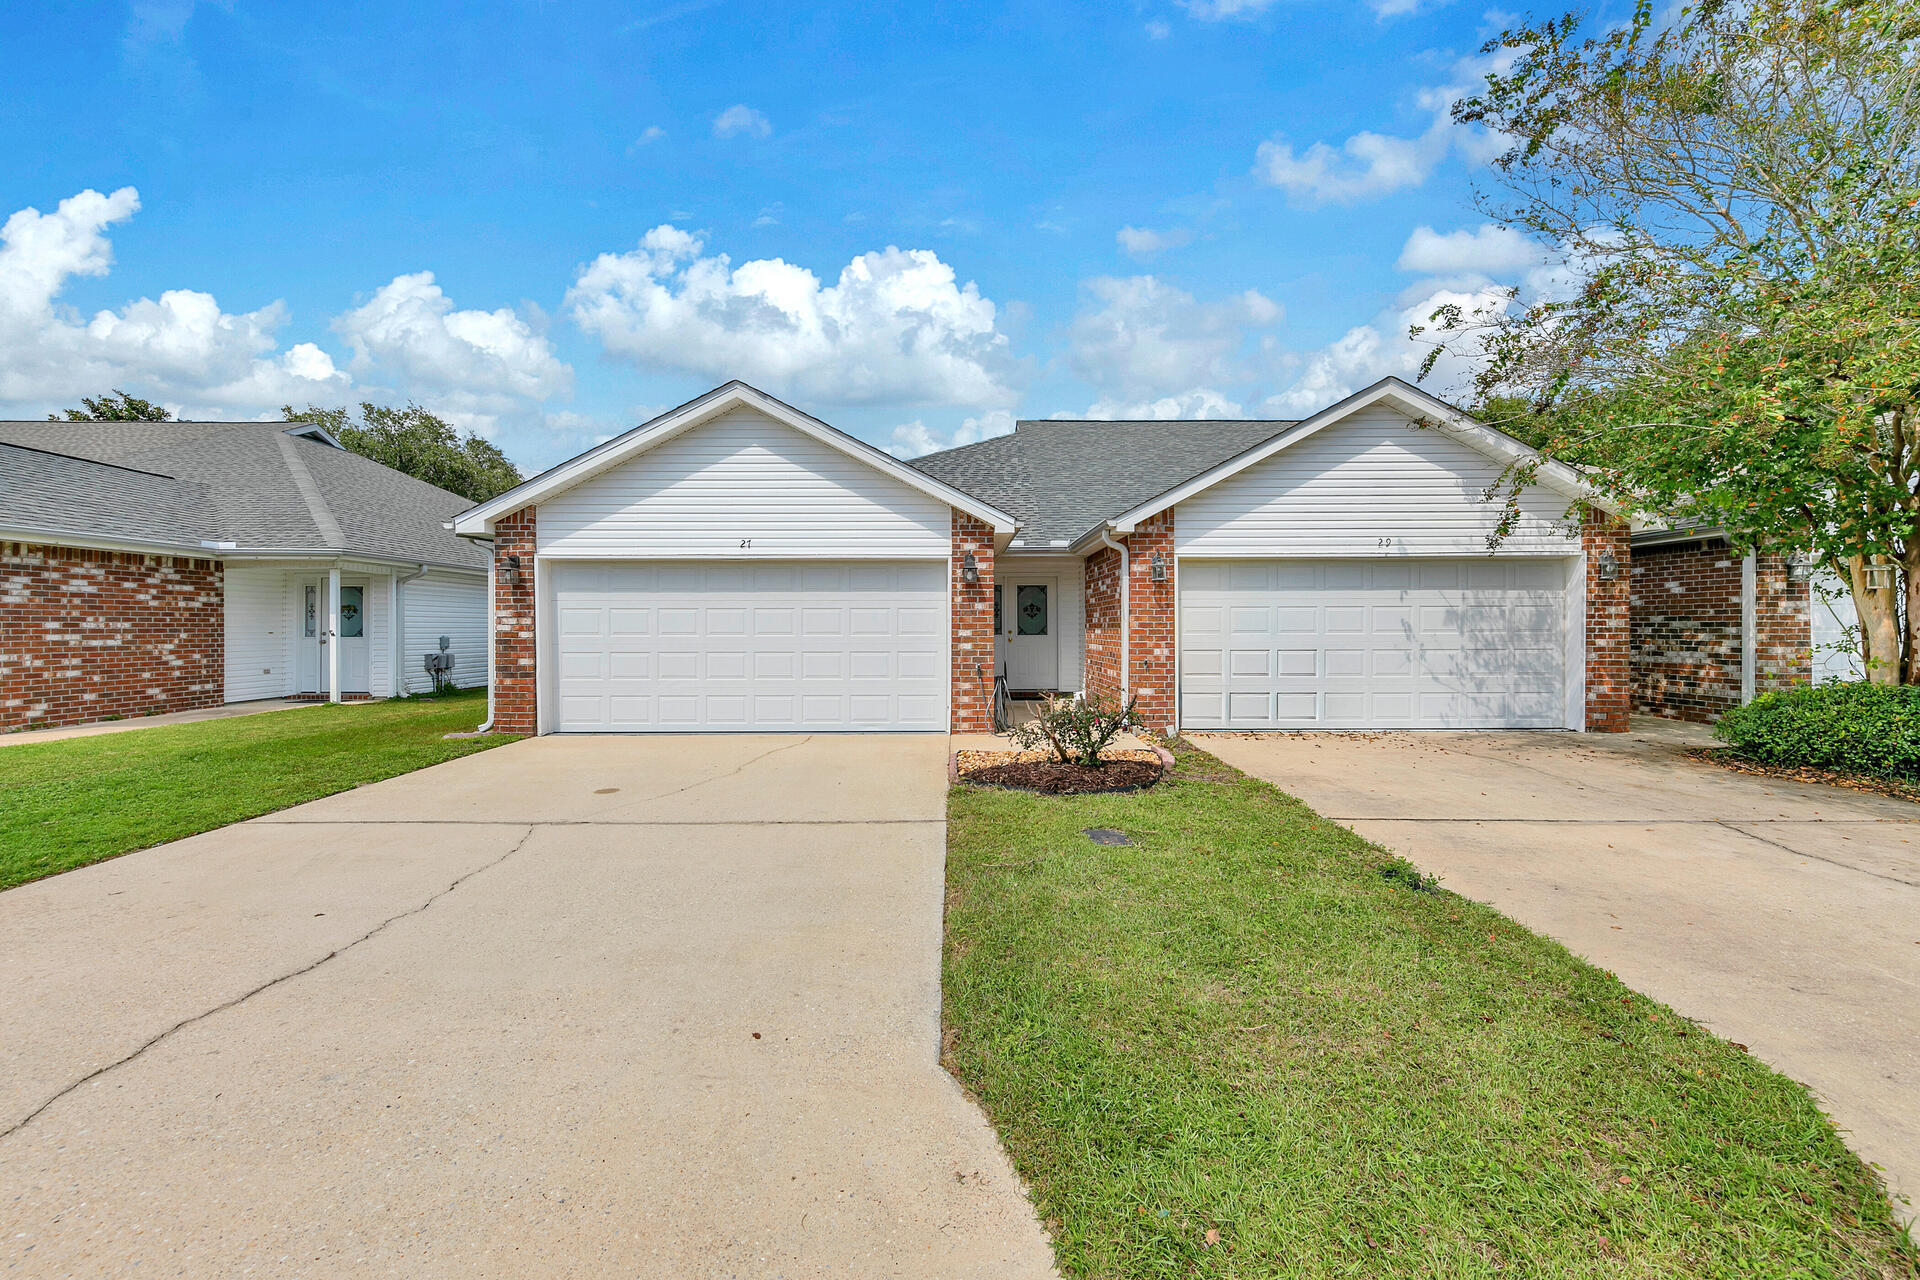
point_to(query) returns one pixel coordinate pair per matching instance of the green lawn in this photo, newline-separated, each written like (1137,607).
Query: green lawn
(67,803)
(1256,1029)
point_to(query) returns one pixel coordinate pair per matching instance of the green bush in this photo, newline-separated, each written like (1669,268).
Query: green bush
(1858,727)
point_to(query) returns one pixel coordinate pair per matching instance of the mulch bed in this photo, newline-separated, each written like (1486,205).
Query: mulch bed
(1894,787)
(1050,777)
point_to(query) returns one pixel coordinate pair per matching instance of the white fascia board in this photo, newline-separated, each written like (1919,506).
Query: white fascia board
(477,522)
(314,431)
(1409,399)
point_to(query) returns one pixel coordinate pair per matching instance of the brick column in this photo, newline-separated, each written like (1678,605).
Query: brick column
(1783,626)
(1609,630)
(1150,622)
(971,610)
(516,679)
(1102,598)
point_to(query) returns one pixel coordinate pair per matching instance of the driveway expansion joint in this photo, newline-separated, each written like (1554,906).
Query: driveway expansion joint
(270,983)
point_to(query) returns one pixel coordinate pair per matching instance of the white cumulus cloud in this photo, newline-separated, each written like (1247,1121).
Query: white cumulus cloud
(1369,352)
(476,367)
(1219,10)
(741,118)
(181,349)
(1200,402)
(1144,242)
(895,326)
(1138,339)
(1488,250)
(1369,165)
(913,439)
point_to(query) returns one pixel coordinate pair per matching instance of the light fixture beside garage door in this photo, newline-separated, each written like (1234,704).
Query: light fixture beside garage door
(969,569)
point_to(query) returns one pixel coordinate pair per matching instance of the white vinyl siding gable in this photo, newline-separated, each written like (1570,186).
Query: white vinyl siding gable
(744,487)
(1374,484)
(444,604)
(259,649)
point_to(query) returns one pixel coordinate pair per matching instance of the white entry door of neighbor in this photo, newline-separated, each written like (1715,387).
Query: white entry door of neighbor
(705,646)
(1031,634)
(1373,644)
(311,670)
(355,674)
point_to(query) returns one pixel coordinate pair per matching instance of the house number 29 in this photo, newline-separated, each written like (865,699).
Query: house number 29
(1385,543)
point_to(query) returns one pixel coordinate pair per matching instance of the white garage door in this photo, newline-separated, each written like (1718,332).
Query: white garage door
(1373,644)
(753,645)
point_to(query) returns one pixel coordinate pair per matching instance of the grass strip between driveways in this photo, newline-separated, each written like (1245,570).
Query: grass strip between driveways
(1249,1045)
(67,803)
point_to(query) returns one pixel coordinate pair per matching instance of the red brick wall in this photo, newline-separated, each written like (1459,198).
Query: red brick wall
(85,635)
(972,621)
(1102,601)
(1609,613)
(1783,626)
(515,669)
(1150,611)
(1150,640)
(1686,629)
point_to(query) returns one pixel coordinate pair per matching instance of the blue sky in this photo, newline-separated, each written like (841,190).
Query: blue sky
(917,221)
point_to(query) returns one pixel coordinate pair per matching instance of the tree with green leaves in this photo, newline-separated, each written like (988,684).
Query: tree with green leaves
(117,407)
(1732,193)
(419,443)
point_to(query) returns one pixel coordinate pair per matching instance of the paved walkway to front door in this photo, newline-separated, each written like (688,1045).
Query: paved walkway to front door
(1784,916)
(576,1006)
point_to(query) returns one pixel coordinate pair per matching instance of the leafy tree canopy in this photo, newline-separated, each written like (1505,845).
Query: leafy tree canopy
(117,407)
(1732,194)
(419,443)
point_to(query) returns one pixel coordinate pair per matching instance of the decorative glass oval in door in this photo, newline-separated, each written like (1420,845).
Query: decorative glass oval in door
(351,612)
(1031,610)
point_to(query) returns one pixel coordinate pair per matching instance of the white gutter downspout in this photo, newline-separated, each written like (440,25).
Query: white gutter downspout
(400,630)
(1749,625)
(487,725)
(1126,576)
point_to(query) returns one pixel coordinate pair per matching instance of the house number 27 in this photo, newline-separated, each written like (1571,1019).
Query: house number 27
(745,543)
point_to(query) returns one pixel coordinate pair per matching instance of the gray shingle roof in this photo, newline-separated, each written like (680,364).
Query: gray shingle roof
(249,483)
(1062,477)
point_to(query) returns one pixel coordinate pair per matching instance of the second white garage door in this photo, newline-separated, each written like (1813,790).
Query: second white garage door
(750,645)
(1373,644)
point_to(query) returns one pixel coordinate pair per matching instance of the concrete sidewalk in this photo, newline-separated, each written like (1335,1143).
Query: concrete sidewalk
(1783,915)
(226,711)
(585,1006)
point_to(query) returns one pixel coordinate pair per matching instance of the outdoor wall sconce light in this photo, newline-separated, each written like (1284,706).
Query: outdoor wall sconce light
(1159,569)
(1800,568)
(1606,568)
(969,570)
(513,570)
(1879,577)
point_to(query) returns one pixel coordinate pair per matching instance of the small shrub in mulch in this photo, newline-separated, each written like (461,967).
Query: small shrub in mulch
(1050,777)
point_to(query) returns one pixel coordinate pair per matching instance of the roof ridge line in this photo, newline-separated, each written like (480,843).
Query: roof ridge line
(310,494)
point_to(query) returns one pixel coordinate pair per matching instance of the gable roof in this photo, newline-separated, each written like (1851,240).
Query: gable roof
(1063,477)
(1409,399)
(262,487)
(477,522)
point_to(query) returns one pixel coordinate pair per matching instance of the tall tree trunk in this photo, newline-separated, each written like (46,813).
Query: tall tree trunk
(1879,624)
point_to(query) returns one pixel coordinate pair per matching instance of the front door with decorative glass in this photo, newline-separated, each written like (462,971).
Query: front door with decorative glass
(1028,629)
(355,676)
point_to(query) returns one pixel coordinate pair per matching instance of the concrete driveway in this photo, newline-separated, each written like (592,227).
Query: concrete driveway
(1782,915)
(580,1006)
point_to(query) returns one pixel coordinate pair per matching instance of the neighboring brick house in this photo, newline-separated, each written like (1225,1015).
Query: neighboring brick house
(150,567)
(739,565)
(1713,627)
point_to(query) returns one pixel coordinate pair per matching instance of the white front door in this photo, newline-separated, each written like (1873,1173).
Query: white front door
(310,672)
(1031,634)
(1373,644)
(355,676)
(705,646)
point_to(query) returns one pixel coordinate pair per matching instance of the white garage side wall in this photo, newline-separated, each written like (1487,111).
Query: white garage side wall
(1836,646)
(1069,610)
(744,487)
(439,603)
(259,654)
(1374,484)
(379,631)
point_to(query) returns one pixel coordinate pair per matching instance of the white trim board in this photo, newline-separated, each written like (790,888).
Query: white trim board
(478,522)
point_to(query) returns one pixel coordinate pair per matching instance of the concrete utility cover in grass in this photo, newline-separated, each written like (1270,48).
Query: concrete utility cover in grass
(1107,835)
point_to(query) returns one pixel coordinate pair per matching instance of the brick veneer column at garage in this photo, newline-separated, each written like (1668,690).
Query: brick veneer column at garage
(971,685)
(1783,625)
(1150,617)
(1609,629)
(516,679)
(1103,623)
(89,634)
